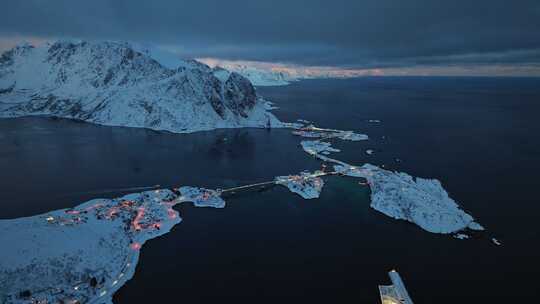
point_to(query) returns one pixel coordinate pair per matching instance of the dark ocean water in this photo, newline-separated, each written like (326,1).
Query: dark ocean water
(479,136)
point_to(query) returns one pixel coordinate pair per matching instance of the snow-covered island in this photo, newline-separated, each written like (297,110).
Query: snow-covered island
(398,195)
(312,131)
(314,147)
(202,197)
(307,185)
(85,254)
(117,84)
(423,202)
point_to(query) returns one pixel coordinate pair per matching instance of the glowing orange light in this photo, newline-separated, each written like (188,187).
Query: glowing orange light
(138,217)
(171,213)
(112,211)
(135,246)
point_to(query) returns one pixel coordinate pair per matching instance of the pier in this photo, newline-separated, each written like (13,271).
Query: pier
(395,293)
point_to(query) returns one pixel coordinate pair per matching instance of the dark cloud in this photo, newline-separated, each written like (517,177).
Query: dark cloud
(313,32)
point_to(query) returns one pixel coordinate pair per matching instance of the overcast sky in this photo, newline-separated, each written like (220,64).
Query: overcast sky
(345,33)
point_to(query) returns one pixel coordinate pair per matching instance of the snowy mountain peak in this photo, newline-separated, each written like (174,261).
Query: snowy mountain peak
(113,83)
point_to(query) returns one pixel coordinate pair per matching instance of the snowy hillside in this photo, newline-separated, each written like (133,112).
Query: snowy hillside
(85,254)
(112,83)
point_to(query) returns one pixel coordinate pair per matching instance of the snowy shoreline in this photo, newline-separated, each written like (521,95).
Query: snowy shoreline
(87,252)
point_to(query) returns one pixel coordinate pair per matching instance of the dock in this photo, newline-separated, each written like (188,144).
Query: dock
(395,293)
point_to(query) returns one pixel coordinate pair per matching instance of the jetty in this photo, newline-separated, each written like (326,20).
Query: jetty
(395,293)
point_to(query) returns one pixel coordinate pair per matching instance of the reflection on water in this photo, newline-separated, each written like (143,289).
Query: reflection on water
(45,160)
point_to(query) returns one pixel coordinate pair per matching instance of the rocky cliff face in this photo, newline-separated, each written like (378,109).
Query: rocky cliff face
(111,83)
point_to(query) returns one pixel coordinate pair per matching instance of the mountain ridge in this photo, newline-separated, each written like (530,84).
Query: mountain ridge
(112,83)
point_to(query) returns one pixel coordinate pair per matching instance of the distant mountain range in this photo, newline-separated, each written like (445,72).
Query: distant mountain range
(277,74)
(258,76)
(118,84)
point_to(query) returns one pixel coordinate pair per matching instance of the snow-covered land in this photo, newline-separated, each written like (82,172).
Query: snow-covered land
(169,59)
(85,254)
(398,195)
(270,105)
(312,131)
(461,236)
(257,76)
(307,185)
(112,83)
(417,200)
(202,197)
(315,146)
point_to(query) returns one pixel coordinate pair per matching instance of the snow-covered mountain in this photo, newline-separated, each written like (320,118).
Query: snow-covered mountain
(113,83)
(257,76)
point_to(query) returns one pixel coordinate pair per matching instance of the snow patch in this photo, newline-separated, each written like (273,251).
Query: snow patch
(311,131)
(313,147)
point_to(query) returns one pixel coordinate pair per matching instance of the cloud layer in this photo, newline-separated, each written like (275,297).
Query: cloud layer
(352,34)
